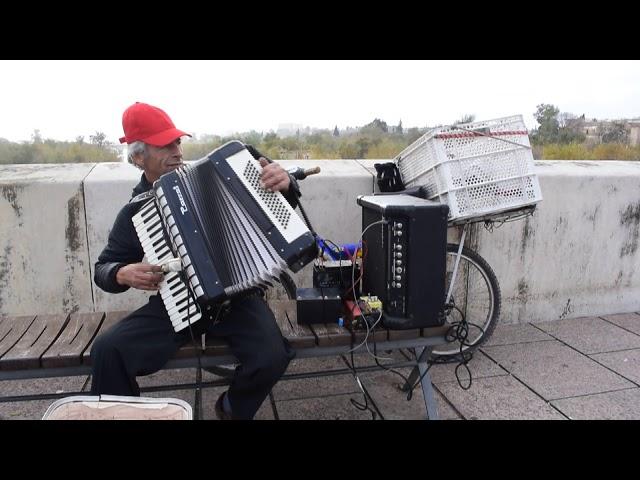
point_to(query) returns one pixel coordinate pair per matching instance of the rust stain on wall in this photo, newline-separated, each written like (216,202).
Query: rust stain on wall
(630,219)
(592,217)
(527,235)
(4,273)
(566,310)
(10,193)
(560,225)
(73,230)
(523,291)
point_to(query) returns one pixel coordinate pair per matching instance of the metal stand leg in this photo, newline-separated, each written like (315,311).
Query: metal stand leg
(427,387)
(197,401)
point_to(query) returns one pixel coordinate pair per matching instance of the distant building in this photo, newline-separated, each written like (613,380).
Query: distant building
(289,129)
(593,130)
(634,132)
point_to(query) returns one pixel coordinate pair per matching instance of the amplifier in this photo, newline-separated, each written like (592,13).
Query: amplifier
(404,261)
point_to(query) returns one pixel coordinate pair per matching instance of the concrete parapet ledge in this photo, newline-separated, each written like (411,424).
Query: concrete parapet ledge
(577,256)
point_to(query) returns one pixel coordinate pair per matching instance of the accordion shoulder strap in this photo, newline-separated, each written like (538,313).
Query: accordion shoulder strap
(142,197)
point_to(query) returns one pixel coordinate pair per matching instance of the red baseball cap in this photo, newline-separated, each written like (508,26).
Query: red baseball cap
(149,124)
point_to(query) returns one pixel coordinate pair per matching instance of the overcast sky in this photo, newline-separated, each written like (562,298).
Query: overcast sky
(65,99)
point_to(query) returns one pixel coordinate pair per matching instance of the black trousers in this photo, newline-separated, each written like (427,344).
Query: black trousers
(144,341)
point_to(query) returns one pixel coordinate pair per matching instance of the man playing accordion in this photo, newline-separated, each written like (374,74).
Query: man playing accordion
(143,342)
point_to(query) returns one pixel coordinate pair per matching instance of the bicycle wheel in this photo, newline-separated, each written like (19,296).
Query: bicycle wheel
(475,297)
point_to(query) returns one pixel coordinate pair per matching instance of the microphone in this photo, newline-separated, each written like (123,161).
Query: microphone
(300,173)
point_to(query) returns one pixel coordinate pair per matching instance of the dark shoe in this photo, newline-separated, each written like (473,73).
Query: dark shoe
(220,413)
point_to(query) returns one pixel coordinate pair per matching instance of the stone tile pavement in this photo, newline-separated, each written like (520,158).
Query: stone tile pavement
(584,368)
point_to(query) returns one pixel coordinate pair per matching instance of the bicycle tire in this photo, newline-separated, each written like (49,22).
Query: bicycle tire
(476,294)
(289,286)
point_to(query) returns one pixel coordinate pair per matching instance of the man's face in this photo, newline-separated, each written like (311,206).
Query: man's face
(160,160)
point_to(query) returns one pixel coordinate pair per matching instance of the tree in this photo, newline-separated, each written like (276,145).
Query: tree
(36,137)
(399,128)
(412,135)
(375,129)
(547,117)
(468,118)
(336,133)
(99,139)
(252,138)
(570,128)
(614,132)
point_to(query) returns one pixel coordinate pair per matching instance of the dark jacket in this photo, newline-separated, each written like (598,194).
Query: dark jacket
(123,246)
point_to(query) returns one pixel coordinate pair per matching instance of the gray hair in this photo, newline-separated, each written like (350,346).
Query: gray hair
(136,148)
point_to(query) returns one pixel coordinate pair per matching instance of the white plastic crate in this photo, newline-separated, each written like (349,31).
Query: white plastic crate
(478,169)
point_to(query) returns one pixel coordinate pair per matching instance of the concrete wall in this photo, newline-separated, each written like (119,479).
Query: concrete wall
(44,261)
(578,255)
(106,189)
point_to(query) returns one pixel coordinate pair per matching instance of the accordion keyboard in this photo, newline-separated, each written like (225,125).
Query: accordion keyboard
(173,290)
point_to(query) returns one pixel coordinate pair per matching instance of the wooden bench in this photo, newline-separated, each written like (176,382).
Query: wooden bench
(40,346)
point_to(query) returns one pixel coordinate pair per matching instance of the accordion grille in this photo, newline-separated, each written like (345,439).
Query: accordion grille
(271,200)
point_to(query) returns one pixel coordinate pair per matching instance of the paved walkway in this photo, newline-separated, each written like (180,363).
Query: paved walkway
(586,368)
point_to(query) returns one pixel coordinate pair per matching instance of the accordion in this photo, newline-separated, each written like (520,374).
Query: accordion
(404,264)
(229,234)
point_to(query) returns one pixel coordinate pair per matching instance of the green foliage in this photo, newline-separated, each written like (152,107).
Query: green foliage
(50,151)
(374,140)
(559,136)
(547,117)
(578,151)
(99,139)
(375,128)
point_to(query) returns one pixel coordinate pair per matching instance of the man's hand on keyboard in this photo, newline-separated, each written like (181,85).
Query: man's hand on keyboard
(142,276)
(274,178)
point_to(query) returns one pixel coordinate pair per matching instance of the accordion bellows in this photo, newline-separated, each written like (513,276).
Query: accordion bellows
(230,234)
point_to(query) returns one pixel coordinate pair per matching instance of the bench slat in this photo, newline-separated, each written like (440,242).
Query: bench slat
(359,334)
(11,329)
(40,335)
(298,336)
(73,341)
(404,334)
(53,341)
(330,335)
(110,319)
(434,331)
